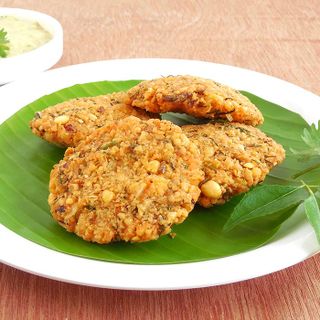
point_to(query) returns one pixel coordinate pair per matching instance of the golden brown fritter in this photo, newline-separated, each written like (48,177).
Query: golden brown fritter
(69,122)
(130,180)
(235,158)
(198,97)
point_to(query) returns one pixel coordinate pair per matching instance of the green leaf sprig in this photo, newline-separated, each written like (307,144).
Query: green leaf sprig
(276,202)
(266,200)
(4,43)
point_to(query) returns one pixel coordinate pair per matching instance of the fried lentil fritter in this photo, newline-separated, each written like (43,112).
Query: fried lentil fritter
(130,180)
(198,97)
(235,158)
(69,122)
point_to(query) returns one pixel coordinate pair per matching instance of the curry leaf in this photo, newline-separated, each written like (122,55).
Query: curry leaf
(264,201)
(311,206)
(311,137)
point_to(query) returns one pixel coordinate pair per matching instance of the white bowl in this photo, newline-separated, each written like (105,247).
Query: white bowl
(39,59)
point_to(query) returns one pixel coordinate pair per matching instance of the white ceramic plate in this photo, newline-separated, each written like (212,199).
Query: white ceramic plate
(293,243)
(39,59)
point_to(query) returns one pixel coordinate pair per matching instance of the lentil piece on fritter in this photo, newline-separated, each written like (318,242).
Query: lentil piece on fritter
(198,97)
(130,180)
(235,158)
(69,122)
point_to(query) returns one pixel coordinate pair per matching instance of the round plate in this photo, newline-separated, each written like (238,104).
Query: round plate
(294,242)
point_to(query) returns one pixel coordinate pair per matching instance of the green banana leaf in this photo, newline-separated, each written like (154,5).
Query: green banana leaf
(26,162)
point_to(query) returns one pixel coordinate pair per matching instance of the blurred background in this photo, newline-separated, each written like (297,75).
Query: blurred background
(273,37)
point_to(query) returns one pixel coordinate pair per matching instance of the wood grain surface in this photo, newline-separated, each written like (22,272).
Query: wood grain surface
(280,38)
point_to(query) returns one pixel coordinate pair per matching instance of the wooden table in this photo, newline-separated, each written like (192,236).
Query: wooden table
(280,38)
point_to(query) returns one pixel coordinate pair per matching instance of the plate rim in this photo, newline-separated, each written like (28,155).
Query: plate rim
(297,250)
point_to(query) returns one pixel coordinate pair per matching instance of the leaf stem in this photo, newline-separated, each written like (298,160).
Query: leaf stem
(309,186)
(306,186)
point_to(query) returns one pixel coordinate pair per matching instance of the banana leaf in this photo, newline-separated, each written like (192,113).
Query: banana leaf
(26,162)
